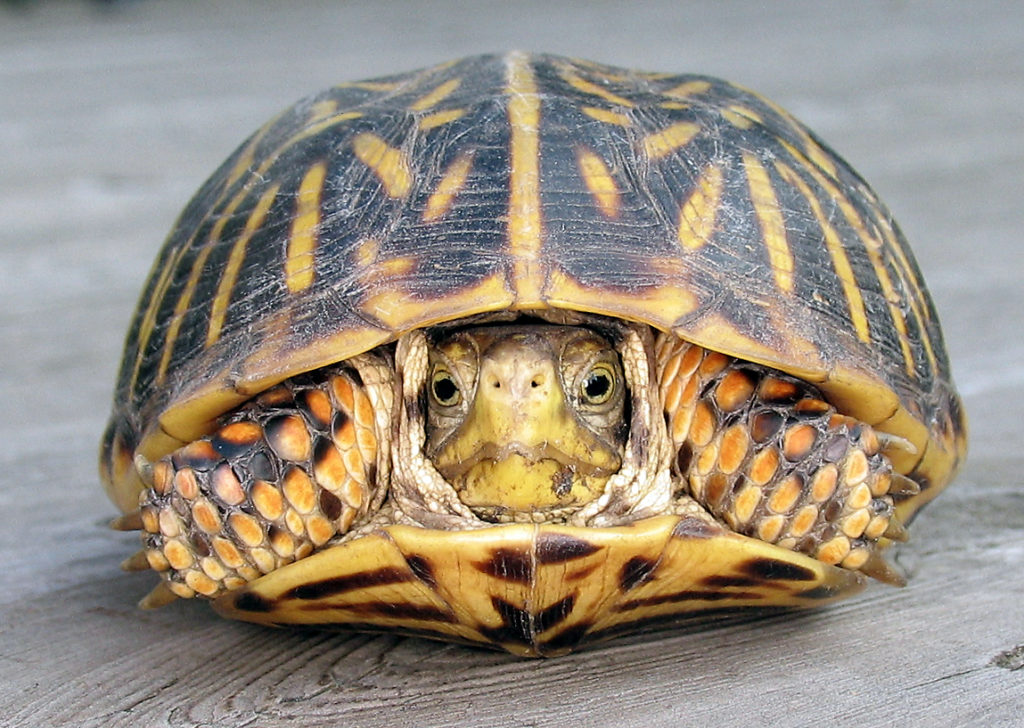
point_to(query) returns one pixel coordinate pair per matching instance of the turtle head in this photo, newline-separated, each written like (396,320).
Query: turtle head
(525,418)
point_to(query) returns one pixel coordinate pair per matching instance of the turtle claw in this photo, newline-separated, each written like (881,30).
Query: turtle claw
(895,442)
(903,486)
(160,596)
(145,470)
(128,522)
(136,562)
(878,568)
(895,531)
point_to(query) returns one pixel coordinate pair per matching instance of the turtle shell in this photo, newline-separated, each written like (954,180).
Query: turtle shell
(527,182)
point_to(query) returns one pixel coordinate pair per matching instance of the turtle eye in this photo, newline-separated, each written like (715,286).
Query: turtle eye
(444,388)
(598,384)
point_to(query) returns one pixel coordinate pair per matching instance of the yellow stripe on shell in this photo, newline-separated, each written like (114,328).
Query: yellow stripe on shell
(298,265)
(247,157)
(656,75)
(662,143)
(687,89)
(670,302)
(741,117)
(812,150)
(892,298)
(851,290)
(907,272)
(737,120)
(160,290)
(229,276)
(607,116)
(180,309)
(524,223)
(366,253)
(699,213)
(391,165)
(769,217)
(391,306)
(599,181)
(149,318)
(322,109)
(873,247)
(592,89)
(452,182)
(243,165)
(371,85)
(440,118)
(314,128)
(436,96)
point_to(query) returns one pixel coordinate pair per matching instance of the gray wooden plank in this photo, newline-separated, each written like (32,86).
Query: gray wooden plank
(108,121)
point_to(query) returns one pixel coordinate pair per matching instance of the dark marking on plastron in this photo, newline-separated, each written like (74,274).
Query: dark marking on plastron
(550,616)
(566,639)
(771,570)
(515,627)
(690,595)
(635,572)
(342,584)
(252,602)
(556,548)
(422,569)
(509,565)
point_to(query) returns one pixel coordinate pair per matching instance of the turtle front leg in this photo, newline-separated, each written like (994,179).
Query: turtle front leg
(763,452)
(281,477)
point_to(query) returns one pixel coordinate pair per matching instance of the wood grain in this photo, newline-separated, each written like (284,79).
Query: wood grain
(110,117)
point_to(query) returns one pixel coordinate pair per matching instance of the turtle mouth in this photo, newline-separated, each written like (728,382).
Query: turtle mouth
(515,478)
(534,454)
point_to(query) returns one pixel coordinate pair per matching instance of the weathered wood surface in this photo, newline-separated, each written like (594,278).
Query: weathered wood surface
(109,119)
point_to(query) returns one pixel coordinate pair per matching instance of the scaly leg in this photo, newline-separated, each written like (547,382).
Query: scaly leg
(768,456)
(283,475)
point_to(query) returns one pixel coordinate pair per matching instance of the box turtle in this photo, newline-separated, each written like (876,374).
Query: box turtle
(529,352)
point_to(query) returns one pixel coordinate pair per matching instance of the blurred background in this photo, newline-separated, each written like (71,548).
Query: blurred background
(113,113)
